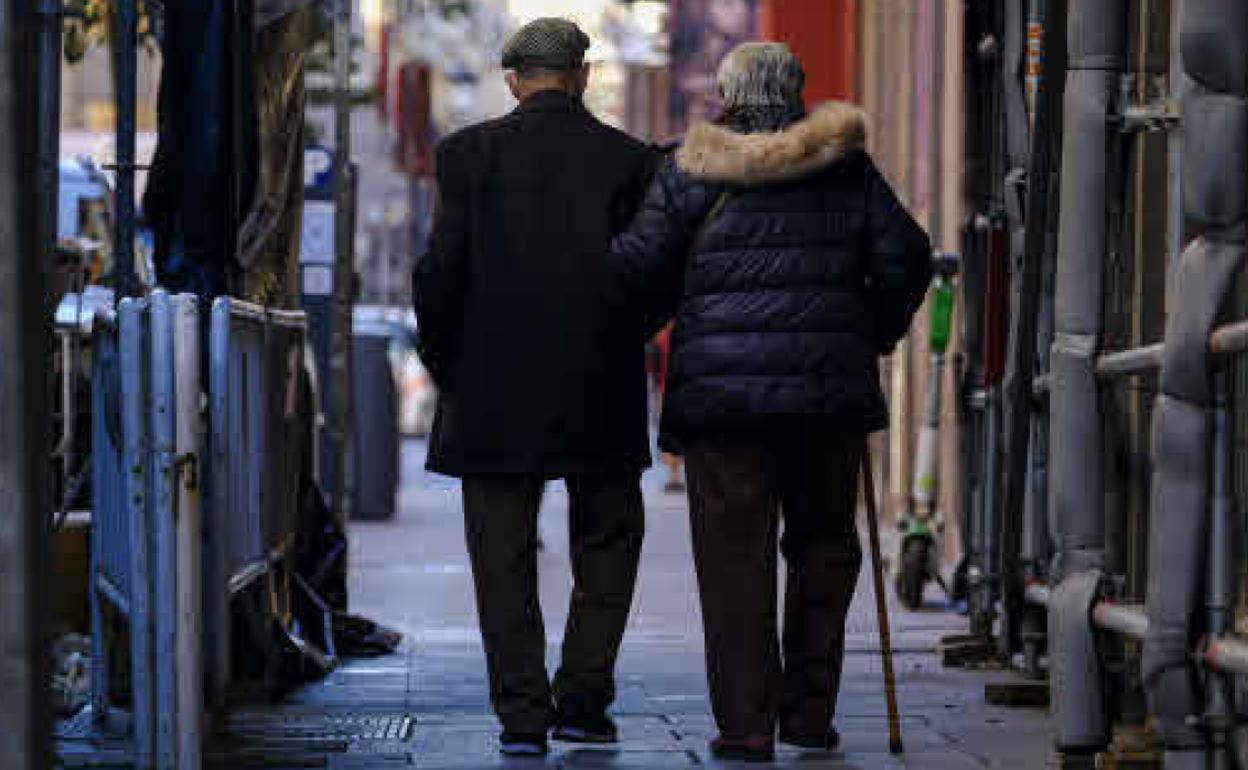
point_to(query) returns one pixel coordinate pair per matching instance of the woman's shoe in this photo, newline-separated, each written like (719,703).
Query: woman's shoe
(755,749)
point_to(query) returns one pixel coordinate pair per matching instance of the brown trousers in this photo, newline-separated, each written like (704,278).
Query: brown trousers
(606,526)
(738,488)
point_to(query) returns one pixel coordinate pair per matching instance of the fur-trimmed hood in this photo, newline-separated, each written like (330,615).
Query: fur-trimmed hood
(826,135)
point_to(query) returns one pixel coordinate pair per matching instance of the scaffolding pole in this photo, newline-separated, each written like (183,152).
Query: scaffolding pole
(344,265)
(125,69)
(24,521)
(48,127)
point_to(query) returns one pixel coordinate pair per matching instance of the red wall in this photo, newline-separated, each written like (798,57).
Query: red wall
(823,33)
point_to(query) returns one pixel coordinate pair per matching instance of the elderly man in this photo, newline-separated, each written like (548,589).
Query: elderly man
(790,266)
(538,379)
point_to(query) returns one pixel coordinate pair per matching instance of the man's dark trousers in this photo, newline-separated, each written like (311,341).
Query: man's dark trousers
(606,523)
(738,489)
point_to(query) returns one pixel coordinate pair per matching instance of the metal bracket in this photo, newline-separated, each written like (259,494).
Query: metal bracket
(1158,115)
(187,466)
(1016,181)
(966,651)
(978,399)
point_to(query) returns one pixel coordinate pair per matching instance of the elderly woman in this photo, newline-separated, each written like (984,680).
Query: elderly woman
(790,266)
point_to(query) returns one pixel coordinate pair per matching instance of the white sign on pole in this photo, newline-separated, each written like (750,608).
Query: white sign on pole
(318,280)
(317,238)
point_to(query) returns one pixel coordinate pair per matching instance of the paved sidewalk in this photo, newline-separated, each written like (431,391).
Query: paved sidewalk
(412,573)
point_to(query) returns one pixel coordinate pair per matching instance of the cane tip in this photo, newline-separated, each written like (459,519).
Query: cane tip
(895,747)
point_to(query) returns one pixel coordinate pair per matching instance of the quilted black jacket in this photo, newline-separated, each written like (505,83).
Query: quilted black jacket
(808,271)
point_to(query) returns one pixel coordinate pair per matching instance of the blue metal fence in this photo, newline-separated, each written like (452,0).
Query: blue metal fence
(111,562)
(145,533)
(163,576)
(255,379)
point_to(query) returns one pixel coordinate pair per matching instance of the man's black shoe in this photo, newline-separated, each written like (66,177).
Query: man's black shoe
(754,749)
(574,723)
(523,745)
(826,742)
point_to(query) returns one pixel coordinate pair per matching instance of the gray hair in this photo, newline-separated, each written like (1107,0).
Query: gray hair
(761,75)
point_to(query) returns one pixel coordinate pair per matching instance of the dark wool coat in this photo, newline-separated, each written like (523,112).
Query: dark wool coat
(809,271)
(536,375)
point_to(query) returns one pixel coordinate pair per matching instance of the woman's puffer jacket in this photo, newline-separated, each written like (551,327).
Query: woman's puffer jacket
(808,269)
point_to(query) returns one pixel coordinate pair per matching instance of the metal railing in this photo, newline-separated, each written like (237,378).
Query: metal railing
(165,574)
(112,566)
(256,443)
(1179,494)
(1227,340)
(145,566)
(1125,488)
(1225,653)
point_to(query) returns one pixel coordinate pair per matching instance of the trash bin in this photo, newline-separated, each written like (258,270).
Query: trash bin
(373,464)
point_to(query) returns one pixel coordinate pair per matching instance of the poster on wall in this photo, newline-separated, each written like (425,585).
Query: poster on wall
(703,31)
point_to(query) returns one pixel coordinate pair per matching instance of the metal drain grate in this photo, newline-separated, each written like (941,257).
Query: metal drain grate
(352,728)
(396,729)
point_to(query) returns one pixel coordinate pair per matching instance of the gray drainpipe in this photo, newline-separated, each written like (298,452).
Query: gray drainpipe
(1016,401)
(1035,547)
(1213,35)
(1096,46)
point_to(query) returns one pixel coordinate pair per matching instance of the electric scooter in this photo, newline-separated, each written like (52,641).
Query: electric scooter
(923,523)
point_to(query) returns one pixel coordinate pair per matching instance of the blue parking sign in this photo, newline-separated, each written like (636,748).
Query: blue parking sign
(318,171)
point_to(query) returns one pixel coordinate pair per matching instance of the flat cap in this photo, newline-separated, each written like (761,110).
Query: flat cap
(556,44)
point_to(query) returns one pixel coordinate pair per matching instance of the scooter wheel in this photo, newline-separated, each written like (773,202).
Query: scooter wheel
(913,575)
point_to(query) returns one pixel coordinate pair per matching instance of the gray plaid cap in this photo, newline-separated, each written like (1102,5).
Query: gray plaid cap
(556,44)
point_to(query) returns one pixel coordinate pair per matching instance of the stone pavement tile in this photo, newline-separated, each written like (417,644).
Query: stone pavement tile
(413,573)
(376,699)
(467,741)
(863,740)
(1002,740)
(355,762)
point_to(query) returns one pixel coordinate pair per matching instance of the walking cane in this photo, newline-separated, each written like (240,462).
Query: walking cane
(881,605)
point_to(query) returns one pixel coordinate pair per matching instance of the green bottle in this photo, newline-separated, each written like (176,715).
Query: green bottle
(942,313)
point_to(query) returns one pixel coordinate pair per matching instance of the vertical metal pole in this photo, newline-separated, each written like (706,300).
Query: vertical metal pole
(125,67)
(24,349)
(188,531)
(1174,160)
(105,471)
(1212,34)
(215,560)
(161,415)
(1096,56)
(1015,410)
(986,580)
(344,262)
(936,187)
(48,126)
(1220,597)
(984,598)
(134,341)
(1044,161)
(47,97)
